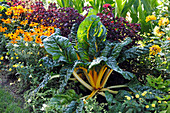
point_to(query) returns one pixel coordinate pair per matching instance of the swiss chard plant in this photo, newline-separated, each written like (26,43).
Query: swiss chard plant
(91,58)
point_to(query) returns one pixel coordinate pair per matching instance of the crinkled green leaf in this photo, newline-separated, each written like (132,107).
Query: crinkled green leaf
(118,47)
(133,53)
(106,51)
(91,35)
(60,48)
(112,63)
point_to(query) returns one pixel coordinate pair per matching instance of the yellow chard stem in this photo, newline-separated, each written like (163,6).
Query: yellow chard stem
(82,81)
(92,94)
(111,91)
(95,75)
(106,78)
(117,86)
(102,70)
(91,78)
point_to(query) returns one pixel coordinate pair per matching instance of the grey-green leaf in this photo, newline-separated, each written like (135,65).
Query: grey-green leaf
(112,63)
(60,48)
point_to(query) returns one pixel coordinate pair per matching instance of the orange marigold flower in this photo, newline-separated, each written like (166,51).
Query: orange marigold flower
(0,14)
(154,50)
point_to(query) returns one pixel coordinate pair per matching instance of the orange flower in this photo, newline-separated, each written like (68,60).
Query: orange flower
(24,22)
(51,29)
(0,14)
(28,38)
(8,21)
(32,33)
(38,40)
(3,29)
(8,13)
(168,38)
(13,42)
(47,33)
(33,24)
(18,38)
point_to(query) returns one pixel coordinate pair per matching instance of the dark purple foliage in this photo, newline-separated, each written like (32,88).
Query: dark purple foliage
(118,28)
(62,18)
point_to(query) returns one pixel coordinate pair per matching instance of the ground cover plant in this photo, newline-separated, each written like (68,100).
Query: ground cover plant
(69,58)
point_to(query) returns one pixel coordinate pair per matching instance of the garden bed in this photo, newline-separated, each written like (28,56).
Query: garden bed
(86,56)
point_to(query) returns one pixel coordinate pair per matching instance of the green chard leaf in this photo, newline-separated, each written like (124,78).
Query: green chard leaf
(133,53)
(91,36)
(112,63)
(60,48)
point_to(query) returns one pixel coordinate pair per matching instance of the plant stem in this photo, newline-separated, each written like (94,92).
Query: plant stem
(82,81)
(92,94)
(117,86)
(106,78)
(111,91)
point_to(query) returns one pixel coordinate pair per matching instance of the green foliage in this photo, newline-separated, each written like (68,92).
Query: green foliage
(134,102)
(77,4)
(92,106)
(91,50)
(158,83)
(67,102)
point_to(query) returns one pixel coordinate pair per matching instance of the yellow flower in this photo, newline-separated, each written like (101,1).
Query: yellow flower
(0,62)
(10,69)
(15,53)
(137,95)
(163,21)
(2,57)
(17,57)
(150,17)
(12,58)
(143,94)
(153,105)
(147,106)
(154,49)
(22,66)
(16,65)
(128,98)
(40,64)
(159,101)
(19,79)
(165,102)
(156,31)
